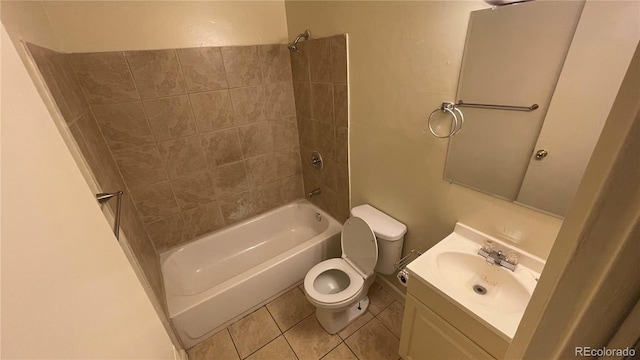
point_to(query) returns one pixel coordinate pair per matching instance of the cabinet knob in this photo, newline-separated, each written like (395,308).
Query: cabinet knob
(541,154)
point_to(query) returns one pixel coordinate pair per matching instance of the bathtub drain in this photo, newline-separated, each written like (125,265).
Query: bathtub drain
(318,217)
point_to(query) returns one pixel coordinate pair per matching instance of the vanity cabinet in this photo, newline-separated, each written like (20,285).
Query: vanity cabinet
(425,335)
(433,327)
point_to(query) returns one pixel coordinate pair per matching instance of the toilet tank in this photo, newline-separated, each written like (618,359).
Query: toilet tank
(389,234)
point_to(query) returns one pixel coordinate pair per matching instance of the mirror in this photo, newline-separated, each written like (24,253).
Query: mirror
(510,59)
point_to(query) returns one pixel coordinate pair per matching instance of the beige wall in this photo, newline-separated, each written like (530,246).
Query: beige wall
(141,25)
(27,20)
(67,288)
(404,60)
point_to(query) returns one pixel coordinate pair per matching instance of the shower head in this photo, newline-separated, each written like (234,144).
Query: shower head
(294,45)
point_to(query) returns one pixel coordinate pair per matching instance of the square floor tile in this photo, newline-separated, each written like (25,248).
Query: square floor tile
(277,349)
(374,342)
(341,352)
(355,325)
(309,340)
(391,317)
(219,346)
(253,332)
(290,308)
(379,298)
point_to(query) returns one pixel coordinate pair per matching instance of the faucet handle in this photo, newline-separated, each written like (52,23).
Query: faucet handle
(512,257)
(488,246)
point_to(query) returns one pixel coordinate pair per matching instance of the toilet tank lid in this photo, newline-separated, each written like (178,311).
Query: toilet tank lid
(384,226)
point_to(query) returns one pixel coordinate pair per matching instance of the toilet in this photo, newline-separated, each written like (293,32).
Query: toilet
(371,241)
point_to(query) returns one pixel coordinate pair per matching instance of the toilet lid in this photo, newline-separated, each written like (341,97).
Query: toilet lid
(359,245)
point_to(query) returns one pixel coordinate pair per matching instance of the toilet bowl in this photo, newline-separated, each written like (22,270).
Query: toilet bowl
(338,287)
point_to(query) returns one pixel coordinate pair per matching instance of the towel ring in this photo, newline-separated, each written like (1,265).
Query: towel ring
(446,107)
(461,119)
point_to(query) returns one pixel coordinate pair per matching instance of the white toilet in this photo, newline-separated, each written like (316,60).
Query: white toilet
(371,240)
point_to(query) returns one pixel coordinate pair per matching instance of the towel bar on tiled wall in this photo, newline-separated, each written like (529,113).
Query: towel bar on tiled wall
(103,198)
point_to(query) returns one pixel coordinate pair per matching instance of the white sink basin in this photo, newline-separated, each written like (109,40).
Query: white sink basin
(454,268)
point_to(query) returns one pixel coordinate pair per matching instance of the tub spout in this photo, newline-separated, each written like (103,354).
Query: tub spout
(314,192)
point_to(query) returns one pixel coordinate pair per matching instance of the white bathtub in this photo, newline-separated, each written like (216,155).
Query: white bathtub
(217,278)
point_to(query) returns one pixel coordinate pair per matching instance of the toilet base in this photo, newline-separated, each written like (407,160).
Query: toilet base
(335,320)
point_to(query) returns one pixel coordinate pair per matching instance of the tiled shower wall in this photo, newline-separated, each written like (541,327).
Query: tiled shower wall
(320,85)
(197,138)
(203,137)
(63,85)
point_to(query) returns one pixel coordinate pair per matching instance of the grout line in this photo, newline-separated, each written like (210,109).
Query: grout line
(232,342)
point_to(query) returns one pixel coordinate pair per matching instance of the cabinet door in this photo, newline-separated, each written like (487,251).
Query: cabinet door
(425,335)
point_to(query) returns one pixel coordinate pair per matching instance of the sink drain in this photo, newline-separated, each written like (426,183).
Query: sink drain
(479,289)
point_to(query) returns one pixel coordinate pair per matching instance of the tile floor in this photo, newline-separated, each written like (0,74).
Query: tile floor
(286,328)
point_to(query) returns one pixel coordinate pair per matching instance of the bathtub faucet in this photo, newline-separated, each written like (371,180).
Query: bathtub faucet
(315,191)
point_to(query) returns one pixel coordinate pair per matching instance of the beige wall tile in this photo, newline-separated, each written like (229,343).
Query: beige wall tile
(391,317)
(155,202)
(222,147)
(242,65)
(320,60)
(94,149)
(219,346)
(342,144)
(193,190)
(340,105)
(41,57)
(141,165)
(170,117)
(277,349)
(156,73)
(325,139)
(229,179)
(279,100)
(182,156)
(61,80)
(373,341)
(212,110)
(285,133)
(302,93)
(266,197)
(256,139)
(341,352)
(305,132)
(236,208)
(322,102)
(308,171)
(105,77)
(203,69)
(290,189)
(288,162)
(300,63)
(290,308)
(339,59)
(167,232)
(248,104)
(124,125)
(202,220)
(309,340)
(344,208)
(261,170)
(328,175)
(253,331)
(276,65)
(328,201)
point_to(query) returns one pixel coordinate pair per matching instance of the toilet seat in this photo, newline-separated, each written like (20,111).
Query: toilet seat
(356,282)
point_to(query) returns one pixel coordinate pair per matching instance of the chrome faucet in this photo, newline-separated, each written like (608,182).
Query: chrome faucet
(315,191)
(497,257)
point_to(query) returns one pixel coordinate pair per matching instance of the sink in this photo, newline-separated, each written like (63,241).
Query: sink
(495,295)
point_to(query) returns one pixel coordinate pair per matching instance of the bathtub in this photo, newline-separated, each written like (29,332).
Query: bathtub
(216,279)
